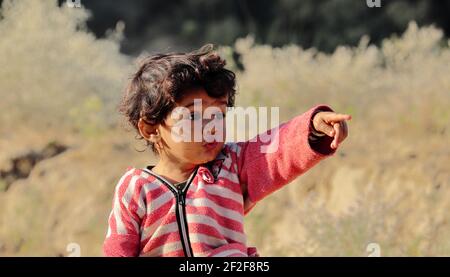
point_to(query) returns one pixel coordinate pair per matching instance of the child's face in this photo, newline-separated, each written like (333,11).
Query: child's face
(194,132)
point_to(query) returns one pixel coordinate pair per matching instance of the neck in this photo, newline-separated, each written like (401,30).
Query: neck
(173,171)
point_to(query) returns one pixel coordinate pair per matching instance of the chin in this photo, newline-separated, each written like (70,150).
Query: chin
(208,156)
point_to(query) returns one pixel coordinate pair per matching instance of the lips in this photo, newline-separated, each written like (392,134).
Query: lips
(211,145)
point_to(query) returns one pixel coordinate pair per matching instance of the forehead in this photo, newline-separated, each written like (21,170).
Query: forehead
(192,94)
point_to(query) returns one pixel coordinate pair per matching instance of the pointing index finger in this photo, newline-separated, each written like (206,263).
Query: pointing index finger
(337,117)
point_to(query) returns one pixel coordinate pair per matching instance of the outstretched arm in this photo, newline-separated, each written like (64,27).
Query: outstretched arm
(297,146)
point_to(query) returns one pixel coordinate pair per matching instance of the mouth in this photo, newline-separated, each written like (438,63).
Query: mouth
(211,145)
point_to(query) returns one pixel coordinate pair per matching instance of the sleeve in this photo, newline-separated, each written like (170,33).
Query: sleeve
(276,157)
(123,237)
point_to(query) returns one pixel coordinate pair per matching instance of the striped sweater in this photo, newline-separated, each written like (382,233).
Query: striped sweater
(152,217)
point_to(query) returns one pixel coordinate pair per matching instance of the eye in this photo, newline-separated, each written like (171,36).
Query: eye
(194,116)
(219,116)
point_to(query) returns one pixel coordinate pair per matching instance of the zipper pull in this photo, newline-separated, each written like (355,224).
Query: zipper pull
(180,198)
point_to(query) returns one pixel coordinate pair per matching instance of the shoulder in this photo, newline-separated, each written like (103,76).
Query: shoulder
(133,179)
(231,155)
(233,148)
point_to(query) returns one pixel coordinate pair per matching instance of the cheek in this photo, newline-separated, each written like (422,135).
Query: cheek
(177,145)
(187,150)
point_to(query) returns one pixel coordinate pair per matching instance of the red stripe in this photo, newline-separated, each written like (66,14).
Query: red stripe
(209,230)
(224,202)
(199,247)
(112,224)
(224,182)
(133,206)
(171,218)
(222,221)
(176,253)
(163,239)
(162,211)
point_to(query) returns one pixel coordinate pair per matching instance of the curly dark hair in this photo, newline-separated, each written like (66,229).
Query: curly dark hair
(162,79)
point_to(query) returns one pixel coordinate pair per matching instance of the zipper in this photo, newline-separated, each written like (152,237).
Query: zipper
(183,223)
(180,210)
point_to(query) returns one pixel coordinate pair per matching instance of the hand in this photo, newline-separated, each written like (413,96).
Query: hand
(333,125)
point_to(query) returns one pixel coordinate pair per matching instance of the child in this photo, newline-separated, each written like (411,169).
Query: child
(193,201)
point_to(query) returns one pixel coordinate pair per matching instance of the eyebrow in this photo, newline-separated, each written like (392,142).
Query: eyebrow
(221,102)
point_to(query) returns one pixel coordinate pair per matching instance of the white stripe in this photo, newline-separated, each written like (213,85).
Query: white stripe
(165,248)
(234,147)
(230,252)
(204,219)
(228,175)
(146,188)
(117,210)
(202,238)
(227,162)
(129,192)
(221,191)
(141,204)
(145,174)
(148,231)
(120,226)
(205,202)
(151,186)
(108,233)
(165,229)
(238,150)
(127,197)
(160,201)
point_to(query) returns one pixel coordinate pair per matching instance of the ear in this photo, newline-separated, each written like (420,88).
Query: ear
(149,131)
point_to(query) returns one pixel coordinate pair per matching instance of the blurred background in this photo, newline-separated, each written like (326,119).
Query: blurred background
(63,145)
